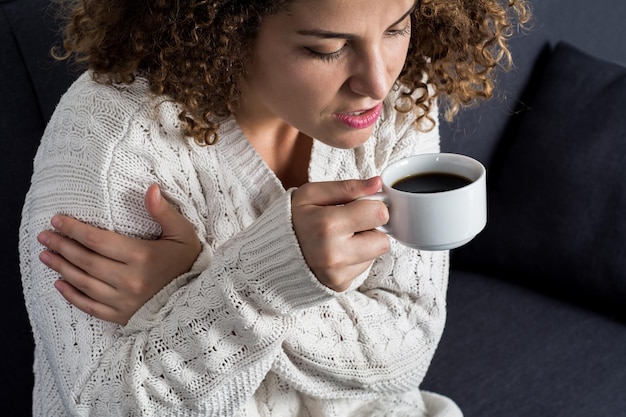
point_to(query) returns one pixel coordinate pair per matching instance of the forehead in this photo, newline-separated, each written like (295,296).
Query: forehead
(347,13)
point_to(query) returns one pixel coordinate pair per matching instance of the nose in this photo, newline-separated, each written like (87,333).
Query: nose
(370,76)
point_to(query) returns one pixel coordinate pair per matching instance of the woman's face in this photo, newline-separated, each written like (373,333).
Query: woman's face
(325,66)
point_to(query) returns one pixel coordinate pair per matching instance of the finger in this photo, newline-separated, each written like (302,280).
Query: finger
(331,223)
(361,248)
(104,242)
(343,280)
(329,250)
(335,192)
(82,258)
(356,256)
(174,225)
(365,215)
(369,245)
(87,304)
(86,284)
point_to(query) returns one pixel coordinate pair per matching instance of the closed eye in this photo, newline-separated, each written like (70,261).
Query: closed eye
(332,56)
(326,56)
(400,32)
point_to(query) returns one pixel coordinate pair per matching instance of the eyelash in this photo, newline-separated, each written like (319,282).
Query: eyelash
(335,55)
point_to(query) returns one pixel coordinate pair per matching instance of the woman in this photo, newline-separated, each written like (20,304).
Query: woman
(263,122)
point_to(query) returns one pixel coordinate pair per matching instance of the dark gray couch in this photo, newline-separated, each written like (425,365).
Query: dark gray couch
(537,323)
(30,86)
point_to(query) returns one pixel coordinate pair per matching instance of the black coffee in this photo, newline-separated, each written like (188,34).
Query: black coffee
(431,182)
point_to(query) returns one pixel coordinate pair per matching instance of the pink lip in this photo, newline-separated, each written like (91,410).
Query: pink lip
(361,121)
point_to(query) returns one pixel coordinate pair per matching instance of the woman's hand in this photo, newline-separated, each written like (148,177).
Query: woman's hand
(336,231)
(110,276)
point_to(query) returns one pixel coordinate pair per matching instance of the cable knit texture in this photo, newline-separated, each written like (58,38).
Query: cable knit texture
(249,331)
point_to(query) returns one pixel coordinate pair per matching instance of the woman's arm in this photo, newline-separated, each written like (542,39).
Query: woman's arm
(109,275)
(381,334)
(203,352)
(204,343)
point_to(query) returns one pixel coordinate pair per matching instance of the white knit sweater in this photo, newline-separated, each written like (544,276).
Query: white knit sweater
(249,331)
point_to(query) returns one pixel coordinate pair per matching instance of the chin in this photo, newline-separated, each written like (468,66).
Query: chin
(343,140)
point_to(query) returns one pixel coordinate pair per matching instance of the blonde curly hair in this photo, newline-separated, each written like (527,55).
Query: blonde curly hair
(194,50)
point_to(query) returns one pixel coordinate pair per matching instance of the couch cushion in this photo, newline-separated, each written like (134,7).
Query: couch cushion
(558,196)
(508,351)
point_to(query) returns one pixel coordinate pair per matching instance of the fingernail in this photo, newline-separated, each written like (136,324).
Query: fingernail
(43,238)
(44,257)
(56,222)
(157,195)
(59,286)
(372,181)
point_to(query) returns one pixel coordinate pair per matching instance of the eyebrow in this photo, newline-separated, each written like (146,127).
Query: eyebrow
(325,34)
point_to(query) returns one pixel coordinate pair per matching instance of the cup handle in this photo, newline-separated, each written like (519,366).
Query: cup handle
(380,196)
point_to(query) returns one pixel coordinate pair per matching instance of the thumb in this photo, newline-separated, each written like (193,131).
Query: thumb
(173,224)
(335,192)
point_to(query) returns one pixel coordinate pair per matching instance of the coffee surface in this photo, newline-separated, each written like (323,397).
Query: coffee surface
(431,182)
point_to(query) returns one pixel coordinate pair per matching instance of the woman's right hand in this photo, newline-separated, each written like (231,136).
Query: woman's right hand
(109,275)
(336,231)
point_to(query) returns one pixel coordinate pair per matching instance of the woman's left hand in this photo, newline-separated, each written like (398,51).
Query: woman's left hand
(110,276)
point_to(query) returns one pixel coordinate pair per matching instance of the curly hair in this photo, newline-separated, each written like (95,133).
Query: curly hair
(194,51)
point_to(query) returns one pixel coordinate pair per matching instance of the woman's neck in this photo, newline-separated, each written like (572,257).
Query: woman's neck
(285,150)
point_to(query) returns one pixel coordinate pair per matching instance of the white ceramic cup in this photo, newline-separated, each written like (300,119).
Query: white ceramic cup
(436,220)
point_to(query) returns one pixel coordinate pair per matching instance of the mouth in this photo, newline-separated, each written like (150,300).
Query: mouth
(360,119)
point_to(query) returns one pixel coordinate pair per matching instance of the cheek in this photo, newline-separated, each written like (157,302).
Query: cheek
(398,57)
(306,82)
(278,74)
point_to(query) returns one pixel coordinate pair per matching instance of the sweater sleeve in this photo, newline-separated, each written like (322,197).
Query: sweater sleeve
(206,349)
(380,336)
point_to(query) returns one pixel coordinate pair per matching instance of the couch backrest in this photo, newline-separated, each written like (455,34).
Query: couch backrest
(596,27)
(554,143)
